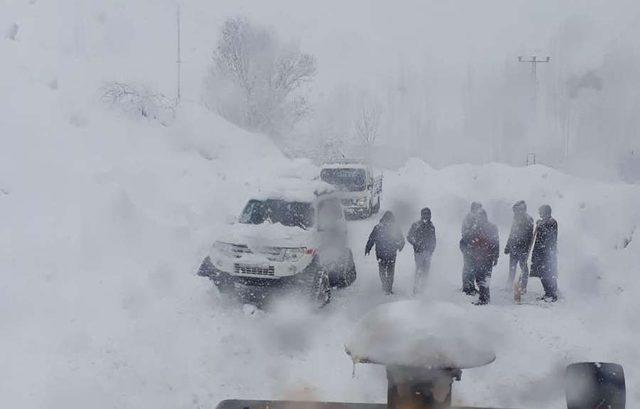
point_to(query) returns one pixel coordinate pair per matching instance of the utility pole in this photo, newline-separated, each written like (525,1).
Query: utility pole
(534,61)
(178,59)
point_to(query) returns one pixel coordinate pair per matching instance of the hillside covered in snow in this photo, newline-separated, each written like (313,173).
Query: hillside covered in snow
(105,217)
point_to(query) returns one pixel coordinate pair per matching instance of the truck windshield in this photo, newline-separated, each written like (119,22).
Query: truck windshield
(345,178)
(292,214)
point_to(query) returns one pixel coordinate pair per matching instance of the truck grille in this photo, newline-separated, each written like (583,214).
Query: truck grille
(271,253)
(238,250)
(254,270)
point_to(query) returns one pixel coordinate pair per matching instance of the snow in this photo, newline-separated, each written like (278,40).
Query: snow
(105,219)
(421,335)
(293,189)
(256,236)
(345,165)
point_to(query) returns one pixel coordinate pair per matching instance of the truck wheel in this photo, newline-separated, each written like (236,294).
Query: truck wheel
(224,283)
(206,268)
(351,272)
(348,274)
(221,280)
(321,290)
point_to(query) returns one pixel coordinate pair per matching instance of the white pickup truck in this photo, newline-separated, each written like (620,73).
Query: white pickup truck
(293,237)
(359,184)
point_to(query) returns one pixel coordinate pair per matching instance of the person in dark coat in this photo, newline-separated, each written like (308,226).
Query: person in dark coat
(544,258)
(422,236)
(519,245)
(470,220)
(387,238)
(483,248)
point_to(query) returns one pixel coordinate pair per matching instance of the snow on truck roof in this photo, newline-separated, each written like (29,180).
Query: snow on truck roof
(421,335)
(345,165)
(294,190)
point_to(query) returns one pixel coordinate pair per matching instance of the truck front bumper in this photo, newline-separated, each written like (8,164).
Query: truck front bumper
(253,276)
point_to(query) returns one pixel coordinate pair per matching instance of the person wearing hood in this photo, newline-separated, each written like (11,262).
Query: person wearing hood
(422,236)
(519,245)
(544,258)
(468,279)
(388,240)
(483,249)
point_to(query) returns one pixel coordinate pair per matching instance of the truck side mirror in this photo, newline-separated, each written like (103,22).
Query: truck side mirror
(595,385)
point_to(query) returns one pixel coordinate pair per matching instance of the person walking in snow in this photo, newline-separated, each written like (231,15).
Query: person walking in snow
(388,239)
(422,236)
(519,245)
(470,220)
(482,245)
(544,258)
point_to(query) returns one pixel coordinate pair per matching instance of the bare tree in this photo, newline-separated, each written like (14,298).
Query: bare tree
(138,101)
(368,122)
(256,78)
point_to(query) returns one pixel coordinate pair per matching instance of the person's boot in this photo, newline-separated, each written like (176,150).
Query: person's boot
(517,293)
(548,298)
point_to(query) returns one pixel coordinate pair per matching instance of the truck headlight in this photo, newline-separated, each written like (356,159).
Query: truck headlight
(295,254)
(223,248)
(361,201)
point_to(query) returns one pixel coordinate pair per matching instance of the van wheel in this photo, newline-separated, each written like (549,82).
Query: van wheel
(370,211)
(321,290)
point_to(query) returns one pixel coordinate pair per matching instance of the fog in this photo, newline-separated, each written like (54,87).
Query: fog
(447,77)
(109,205)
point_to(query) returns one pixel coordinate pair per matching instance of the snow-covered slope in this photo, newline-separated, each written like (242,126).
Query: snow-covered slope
(104,220)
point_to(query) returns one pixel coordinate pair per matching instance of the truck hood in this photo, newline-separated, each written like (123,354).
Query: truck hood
(344,194)
(266,235)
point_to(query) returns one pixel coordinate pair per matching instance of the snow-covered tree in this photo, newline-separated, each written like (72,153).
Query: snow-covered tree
(256,79)
(368,122)
(138,101)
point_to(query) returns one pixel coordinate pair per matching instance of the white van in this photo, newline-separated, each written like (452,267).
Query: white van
(359,184)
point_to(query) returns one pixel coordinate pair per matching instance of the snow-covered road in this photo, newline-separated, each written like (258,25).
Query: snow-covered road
(534,341)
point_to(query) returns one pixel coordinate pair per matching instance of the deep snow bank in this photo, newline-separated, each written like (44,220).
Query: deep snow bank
(104,221)
(596,220)
(598,265)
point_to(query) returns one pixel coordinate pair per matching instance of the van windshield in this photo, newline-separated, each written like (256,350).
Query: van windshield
(292,214)
(352,179)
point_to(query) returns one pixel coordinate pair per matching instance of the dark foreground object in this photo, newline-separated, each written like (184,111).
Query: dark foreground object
(422,364)
(595,385)
(589,385)
(290,404)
